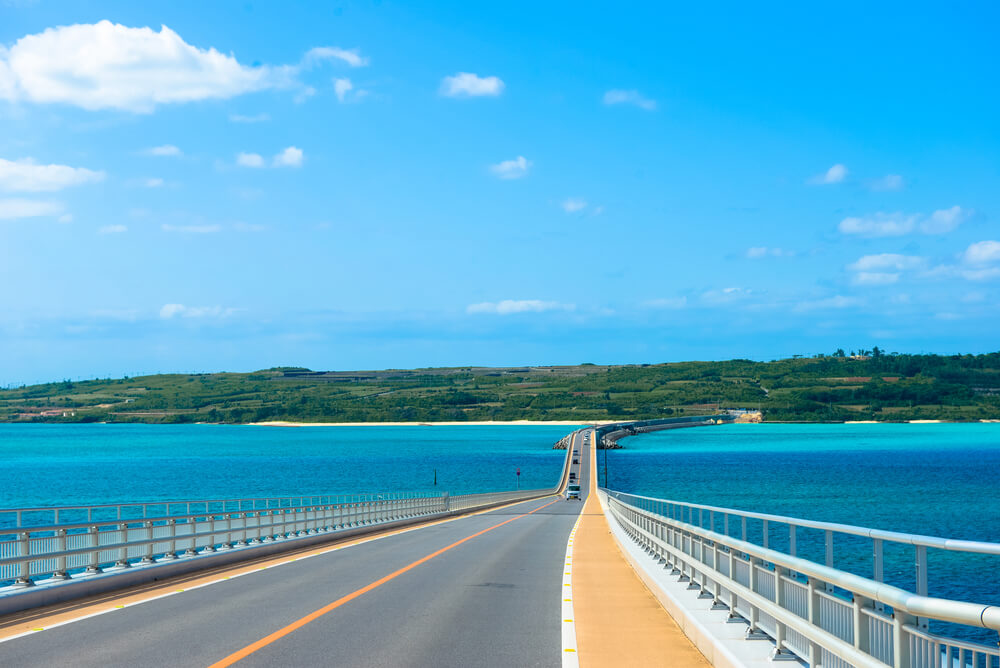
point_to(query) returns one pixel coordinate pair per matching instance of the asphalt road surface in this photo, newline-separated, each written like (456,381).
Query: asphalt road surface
(488,595)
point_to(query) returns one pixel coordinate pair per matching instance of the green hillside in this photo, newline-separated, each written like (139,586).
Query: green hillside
(873,386)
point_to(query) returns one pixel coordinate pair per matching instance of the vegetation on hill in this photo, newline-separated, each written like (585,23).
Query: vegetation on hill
(869,386)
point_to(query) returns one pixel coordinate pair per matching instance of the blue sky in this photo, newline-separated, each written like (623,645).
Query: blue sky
(232,186)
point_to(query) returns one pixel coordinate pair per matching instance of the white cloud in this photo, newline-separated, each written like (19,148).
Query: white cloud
(573,204)
(342,87)
(726,295)
(898,224)
(883,268)
(112,229)
(884,261)
(167,150)
(153,183)
(65,218)
(250,160)
(111,66)
(290,157)
(982,252)
(304,94)
(632,97)
(191,229)
(467,84)
(352,57)
(257,118)
(28,176)
(835,174)
(878,225)
(511,169)
(758,252)
(14,208)
(943,221)
(667,303)
(887,182)
(511,306)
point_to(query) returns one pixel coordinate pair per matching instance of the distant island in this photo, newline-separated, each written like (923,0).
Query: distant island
(857,386)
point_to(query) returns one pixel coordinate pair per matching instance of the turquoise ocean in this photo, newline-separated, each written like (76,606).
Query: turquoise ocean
(936,479)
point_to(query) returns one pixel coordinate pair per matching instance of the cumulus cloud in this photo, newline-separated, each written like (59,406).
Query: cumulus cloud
(112,66)
(467,84)
(28,176)
(982,252)
(878,225)
(112,229)
(290,157)
(352,57)
(511,169)
(633,97)
(883,268)
(898,224)
(250,160)
(573,204)
(511,306)
(943,221)
(180,310)
(835,174)
(342,87)
(153,183)
(14,208)
(167,150)
(887,182)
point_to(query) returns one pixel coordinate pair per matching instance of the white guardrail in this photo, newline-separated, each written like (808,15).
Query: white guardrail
(75,541)
(811,611)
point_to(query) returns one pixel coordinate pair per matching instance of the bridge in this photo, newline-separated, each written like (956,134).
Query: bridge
(514,578)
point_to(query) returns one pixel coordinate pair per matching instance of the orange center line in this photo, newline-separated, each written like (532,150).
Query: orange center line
(281,633)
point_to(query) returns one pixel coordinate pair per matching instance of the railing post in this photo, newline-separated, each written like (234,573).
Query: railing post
(828,540)
(861,625)
(920,562)
(172,552)
(60,572)
(123,550)
(148,557)
(94,565)
(815,652)
(24,551)
(878,567)
(900,639)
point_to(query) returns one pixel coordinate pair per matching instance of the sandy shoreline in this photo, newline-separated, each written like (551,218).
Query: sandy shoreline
(483,423)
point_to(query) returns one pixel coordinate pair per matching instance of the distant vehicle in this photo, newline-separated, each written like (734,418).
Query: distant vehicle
(572,492)
(576,452)
(572,476)
(576,461)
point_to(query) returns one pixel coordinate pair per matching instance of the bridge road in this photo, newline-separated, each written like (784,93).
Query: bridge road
(488,595)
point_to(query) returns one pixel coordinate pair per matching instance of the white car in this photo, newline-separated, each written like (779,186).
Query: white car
(572,492)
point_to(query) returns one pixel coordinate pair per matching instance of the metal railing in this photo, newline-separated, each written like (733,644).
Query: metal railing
(812,611)
(71,541)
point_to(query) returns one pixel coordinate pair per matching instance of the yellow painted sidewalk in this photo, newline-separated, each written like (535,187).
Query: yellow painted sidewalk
(618,621)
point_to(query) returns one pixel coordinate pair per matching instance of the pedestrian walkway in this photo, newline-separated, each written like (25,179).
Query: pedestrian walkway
(618,621)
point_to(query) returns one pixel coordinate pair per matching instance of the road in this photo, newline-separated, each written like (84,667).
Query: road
(480,590)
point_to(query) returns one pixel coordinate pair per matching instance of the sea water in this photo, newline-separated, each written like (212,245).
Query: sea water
(75,464)
(932,479)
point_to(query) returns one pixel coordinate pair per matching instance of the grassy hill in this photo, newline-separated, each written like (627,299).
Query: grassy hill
(875,386)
